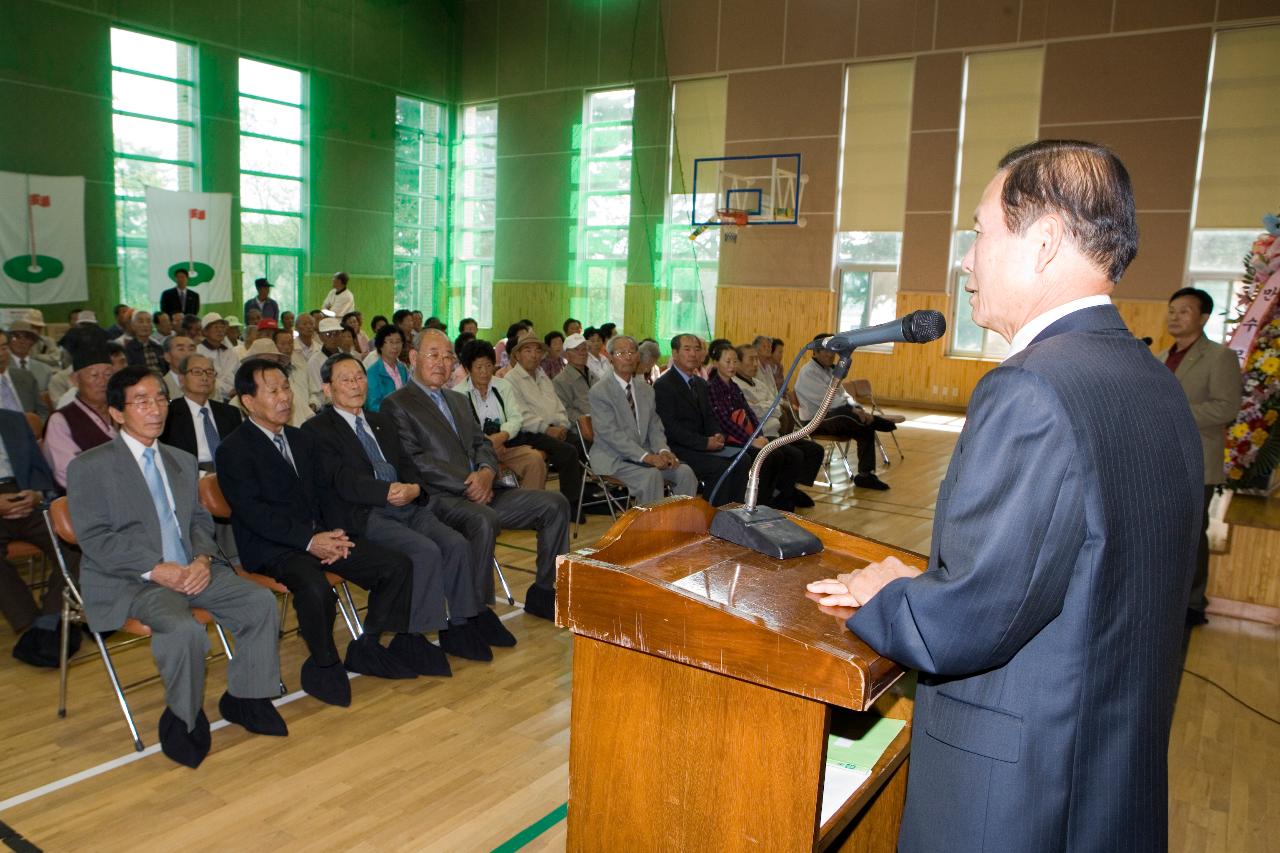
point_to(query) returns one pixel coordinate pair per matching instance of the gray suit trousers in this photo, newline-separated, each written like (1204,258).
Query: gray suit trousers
(518,509)
(645,482)
(443,570)
(179,643)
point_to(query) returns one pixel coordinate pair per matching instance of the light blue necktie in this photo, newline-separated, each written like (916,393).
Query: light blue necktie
(382,469)
(170,536)
(210,434)
(438,398)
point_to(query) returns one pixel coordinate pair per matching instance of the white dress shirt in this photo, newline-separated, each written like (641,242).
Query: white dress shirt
(598,365)
(1024,336)
(203,454)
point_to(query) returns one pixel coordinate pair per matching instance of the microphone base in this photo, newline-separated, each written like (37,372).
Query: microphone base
(765,531)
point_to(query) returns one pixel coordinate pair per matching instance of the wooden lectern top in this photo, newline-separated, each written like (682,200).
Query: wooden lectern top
(658,583)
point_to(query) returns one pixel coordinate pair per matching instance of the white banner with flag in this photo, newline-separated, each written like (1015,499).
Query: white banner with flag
(42,239)
(191,231)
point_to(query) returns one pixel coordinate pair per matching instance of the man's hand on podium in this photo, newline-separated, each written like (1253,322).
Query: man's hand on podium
(861,585)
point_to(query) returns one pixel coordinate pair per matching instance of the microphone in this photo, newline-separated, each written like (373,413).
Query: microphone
(918,327)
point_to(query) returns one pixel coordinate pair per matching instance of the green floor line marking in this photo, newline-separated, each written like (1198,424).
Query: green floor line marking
(533,830)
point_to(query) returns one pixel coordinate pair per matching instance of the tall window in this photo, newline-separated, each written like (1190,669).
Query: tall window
(1000,109)
(1216,266)
(475,207)
(604,207)
(420,194)
(153,101)
(272,178)
(868,263)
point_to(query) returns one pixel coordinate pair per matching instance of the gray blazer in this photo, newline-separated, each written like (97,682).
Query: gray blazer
(24,382)
(444,458)
(573,390)
(1210,376)
(619,438)
(116,524)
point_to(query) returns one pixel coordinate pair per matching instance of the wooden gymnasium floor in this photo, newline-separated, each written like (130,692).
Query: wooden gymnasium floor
(473,762)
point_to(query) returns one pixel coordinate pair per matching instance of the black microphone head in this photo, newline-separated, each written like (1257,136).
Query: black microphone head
(920,327)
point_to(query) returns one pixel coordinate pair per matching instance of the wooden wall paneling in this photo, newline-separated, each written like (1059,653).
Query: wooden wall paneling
(791,313)
(546,303)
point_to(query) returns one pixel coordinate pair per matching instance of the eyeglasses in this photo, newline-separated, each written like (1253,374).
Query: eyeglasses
(141,404)
(202,371)
(437,356)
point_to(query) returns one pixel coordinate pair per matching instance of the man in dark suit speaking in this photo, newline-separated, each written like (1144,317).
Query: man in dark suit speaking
(1047,627)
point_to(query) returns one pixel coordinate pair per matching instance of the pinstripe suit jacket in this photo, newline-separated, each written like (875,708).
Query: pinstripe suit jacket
(1047,628)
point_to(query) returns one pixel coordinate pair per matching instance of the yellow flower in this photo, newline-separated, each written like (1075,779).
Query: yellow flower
(1270,365)
(1239,430)
(1258,437)
(1270,417)
(1235,474)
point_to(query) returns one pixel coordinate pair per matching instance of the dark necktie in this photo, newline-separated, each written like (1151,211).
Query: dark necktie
(210,433)
(631,400)
(283,447)
(382,469)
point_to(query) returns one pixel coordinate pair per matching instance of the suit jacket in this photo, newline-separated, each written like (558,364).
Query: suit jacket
(37,368)
(180,427)
(119,532)
(29,466)
(274,510)
(619,436)
(444,458)
(24,382)
(685,411)
(353,488)
(574,389)
(1048,627)
(1210,377)
(135,352)
(169,302)
(270,309)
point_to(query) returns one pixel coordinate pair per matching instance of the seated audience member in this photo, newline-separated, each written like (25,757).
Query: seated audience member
(845,420)
(504,347)
(84,333)
(378,321)
(498,415)
(331,344)
(571,327)
(176,350)
(597,357)
(149,554)
(121,313)
(19,391)
(351,321)
(377,492)
(647,362)
(301,388)
(239,340)
(214,347)
(387,373)
(23,338)
(468,324)
(139,348)
(459,373)
(83,423)
(308,341)
(297,369)
(554,360)
(163,328)
(757,387)
(630,443)
(191,327)
(286,322)
(692,429)
(460,469)
(46,349)
(544,424)
(197,423)
(778,368)
(765,347)
(272,476)
(574,382)
(739,421)
(25,484)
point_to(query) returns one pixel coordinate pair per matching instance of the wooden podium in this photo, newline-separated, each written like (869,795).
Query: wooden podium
(705,684)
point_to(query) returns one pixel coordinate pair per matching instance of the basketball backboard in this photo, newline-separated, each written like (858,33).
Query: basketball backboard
(768,188)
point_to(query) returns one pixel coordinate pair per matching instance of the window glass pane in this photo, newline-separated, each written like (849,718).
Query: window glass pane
(407,210)
(131,219)
(410,178)
(408,144)
(270,193)
(133,275)
(270,119)
(147,53)
(618,105)
(282,270)
(1220,249)
(965,335)
(149,138)
(134,176)
(609,141)
(265,155)
(476,244)
(409,112)
(263,229)
(855,288)
(480,182)
(609,175)
(608,210)
(270,81)
(408,242)
(478,214)
(605,243)
(480,120)
(160,98)
(870,247)
(884,297)
(480,151)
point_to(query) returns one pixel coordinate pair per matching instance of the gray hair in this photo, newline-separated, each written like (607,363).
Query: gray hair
(185,364)
(651,350)
(759,339)
(613,342)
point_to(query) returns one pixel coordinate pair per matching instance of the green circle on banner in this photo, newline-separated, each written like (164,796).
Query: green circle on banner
(199,273)
(21,269)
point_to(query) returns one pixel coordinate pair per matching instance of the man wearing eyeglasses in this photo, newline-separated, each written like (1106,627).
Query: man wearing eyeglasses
(197,423)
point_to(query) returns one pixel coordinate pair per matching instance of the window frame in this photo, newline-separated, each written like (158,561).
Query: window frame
(432,265)
(581,297)
(477,305)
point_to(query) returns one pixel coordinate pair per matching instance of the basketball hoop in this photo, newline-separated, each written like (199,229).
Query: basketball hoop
(730,221)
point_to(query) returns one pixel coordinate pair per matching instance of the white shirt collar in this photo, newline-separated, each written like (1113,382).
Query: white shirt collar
(1028,333)
(625,383)
(271,436)
(351,419)
(137,448)
(196,407)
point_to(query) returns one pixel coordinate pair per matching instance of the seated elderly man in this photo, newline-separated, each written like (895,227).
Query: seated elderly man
(459,467)
(544,425)
(630,442)
(138,346)
(214,347)
(19,391)
(573,382)
(176,350)
(149,554)
(83,423)
(197,423)
(23,339)
(273,477)
(377,492)
(845,420)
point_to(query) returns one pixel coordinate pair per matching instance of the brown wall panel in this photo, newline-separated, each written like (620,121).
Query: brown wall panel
(522,46)
(1152,14)
(1067,18)
(692,28)
(1158,75)
(751,33)
(1035,14)
(781,255)
(964,23)
(894,26)
(931,171)
(478,73)
(818,30)
(1162,250)
(1160,156)
(1234,10)
(926,252)
(786,102)
(935,102)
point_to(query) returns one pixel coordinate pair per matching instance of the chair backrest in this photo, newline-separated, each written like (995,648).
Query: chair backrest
(211,497)
(862,388)
(37,425)
(585,429)
(60,515)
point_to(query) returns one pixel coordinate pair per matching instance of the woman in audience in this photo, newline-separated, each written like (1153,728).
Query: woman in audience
(554,361)
(493,403)
(647,367)
(459,372)
(386,374)
(377,323)
(352,321)
(758,389)
(738,422)
(504,346)
(597,359)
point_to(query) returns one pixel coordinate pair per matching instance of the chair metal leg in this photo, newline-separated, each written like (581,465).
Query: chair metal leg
(62,656)
(901,456)
(884,454)
(825,470)
(503,578)
(355,613)
(576,509)
(222,635)
(342,608)
(115,685)
(844,457)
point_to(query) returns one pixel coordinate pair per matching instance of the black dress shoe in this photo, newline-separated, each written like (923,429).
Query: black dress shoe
(540,602)
(366,657)
(492,631)
(801,499)
(257,715)
(464,641)
(185,747)
(42,646)
(870,481)
(329,683)
(419,654)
